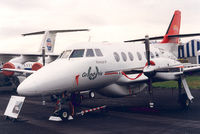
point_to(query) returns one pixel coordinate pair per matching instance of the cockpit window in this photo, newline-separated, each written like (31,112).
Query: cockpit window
(98,52)
(77,53)
(90,53)
(65,54)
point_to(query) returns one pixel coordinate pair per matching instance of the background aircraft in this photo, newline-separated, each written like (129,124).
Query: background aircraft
(112,69)
(29,60)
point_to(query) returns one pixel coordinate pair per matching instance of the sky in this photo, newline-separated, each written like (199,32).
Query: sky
(108,20)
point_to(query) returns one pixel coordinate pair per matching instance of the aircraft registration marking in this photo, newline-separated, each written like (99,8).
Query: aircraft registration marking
(101,62)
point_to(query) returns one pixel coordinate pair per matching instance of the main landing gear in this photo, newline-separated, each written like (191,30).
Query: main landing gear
(185,99)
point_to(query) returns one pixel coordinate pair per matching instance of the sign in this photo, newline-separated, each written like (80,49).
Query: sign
(14,106)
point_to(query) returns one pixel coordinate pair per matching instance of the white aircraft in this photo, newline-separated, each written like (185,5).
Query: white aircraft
(29,60)
(112,69)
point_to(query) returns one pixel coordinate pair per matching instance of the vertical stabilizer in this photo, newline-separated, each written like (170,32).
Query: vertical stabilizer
(48,42)
(173,29)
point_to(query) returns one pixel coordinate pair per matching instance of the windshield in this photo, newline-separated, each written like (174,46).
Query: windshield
(65,54)
(77,53)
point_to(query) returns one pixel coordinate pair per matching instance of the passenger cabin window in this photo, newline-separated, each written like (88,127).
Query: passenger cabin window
(90,53)
(130,55)
(65,54)
(77,53)
(123,56)
(98,52)
(139,56)
(116,55)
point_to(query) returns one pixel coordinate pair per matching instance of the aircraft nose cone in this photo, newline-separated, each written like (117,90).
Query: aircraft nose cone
(50,79)
(20,90)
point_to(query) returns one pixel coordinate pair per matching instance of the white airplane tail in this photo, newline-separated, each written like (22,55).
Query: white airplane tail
(170,44)
(48,41)
(49,38)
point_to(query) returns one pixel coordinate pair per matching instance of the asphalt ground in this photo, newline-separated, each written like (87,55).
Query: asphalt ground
(124,115)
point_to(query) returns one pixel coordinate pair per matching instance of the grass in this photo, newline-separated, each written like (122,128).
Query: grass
(193,82)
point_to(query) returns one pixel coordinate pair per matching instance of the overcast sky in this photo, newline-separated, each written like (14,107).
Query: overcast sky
(108,20)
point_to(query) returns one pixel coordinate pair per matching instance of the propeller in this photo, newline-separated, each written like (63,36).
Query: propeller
(149,71)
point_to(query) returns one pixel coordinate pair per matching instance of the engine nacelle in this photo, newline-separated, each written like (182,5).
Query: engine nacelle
(115,90)
(168,75)
(36,66)
(11,65)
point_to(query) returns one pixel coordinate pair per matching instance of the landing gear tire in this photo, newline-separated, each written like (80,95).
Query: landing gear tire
(64,114)
(91,94)
(184,101)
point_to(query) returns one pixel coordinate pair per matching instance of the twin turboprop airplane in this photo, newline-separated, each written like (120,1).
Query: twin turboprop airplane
(113,70)
(29,60)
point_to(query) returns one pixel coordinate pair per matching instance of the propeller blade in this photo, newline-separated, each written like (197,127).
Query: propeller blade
(43,56)
(147,47)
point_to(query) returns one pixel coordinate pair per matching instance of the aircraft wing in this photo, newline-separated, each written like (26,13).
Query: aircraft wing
(6,56)
(189,69)
(26,54)
(18,70)
(161,74)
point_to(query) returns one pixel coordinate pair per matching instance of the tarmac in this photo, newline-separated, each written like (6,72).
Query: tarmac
(124,115)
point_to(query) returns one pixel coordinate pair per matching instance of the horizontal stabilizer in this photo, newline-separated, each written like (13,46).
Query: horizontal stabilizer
(143,39)
(56,31)
(169,36)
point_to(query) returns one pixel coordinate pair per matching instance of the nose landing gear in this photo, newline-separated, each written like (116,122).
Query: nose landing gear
(65,108)
(68,108)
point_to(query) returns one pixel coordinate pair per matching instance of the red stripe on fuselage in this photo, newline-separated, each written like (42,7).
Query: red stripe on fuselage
(151,62)
(111,73)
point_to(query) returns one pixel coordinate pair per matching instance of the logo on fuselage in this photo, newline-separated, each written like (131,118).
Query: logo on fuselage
(92,75)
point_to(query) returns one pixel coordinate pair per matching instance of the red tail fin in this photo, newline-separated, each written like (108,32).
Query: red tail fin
(173,28)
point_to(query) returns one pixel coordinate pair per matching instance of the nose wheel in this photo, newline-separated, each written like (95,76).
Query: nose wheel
(64,114)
